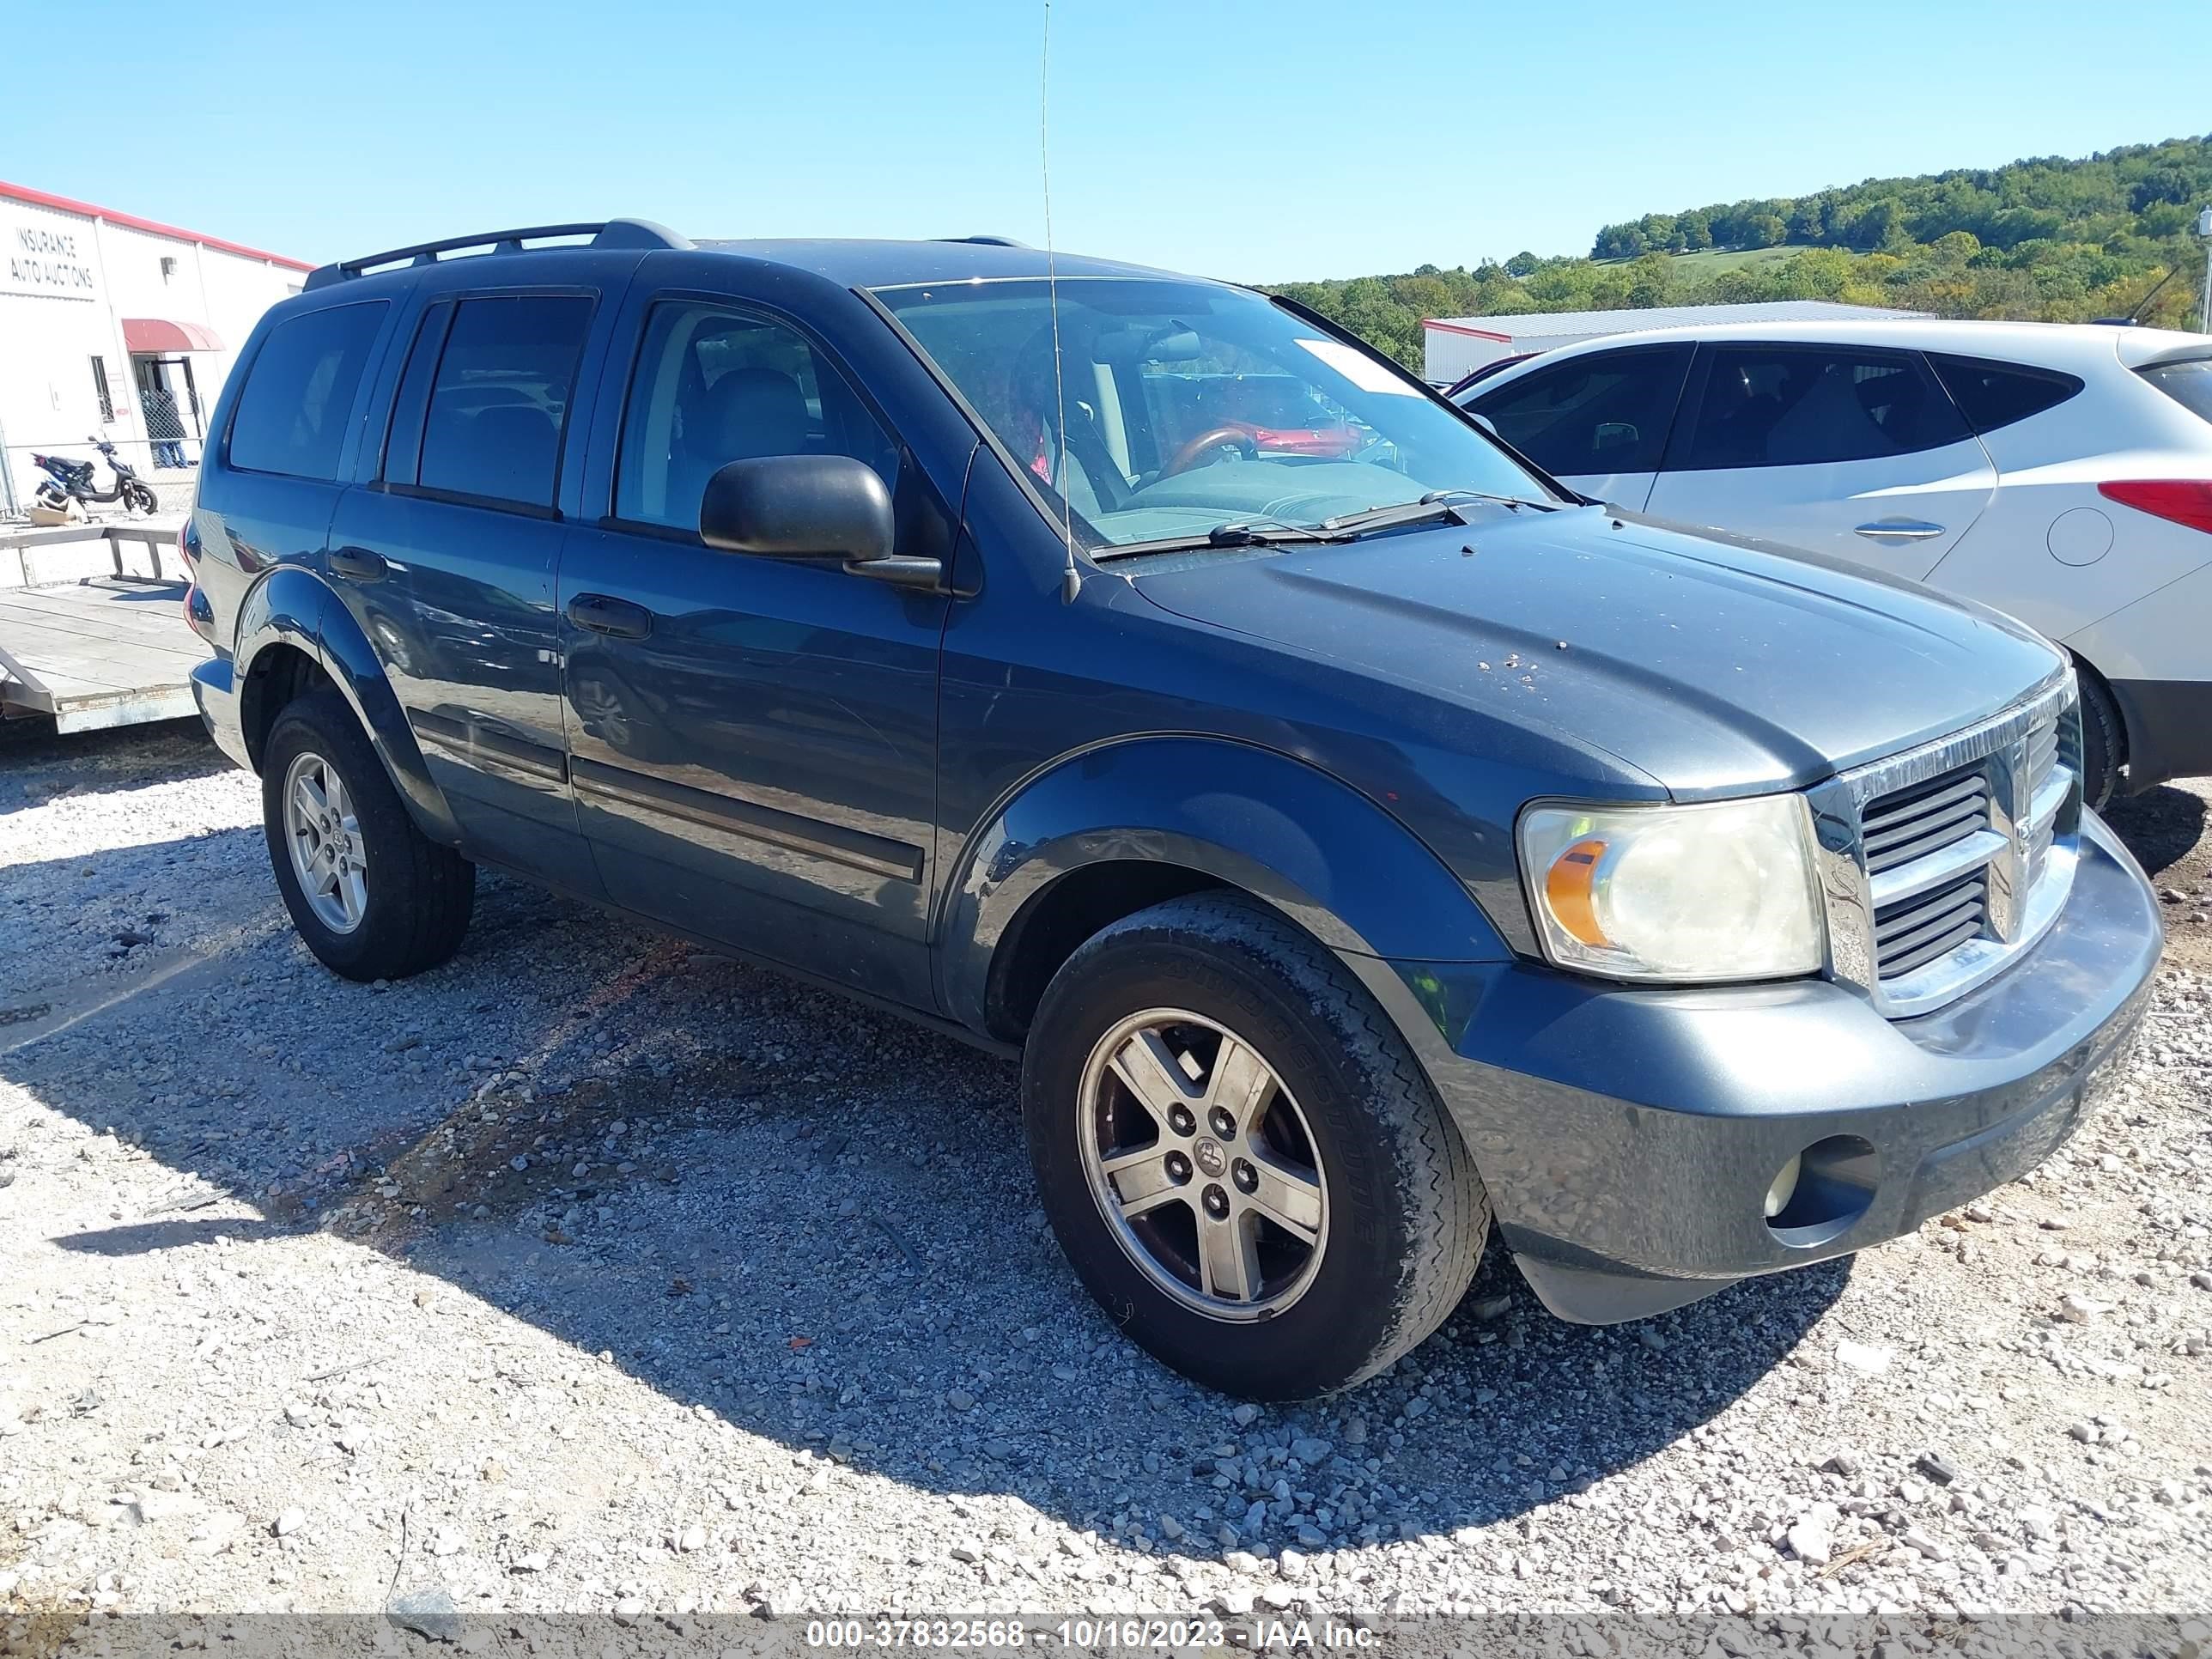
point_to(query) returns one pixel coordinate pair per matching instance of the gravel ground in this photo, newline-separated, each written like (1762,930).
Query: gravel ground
(593,1273)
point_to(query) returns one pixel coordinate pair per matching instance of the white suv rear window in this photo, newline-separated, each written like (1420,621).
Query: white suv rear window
(2188,382)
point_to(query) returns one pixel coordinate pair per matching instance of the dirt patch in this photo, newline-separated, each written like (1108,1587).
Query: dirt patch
(2165,828)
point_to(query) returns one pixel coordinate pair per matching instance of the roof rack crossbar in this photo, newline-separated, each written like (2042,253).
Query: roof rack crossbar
(607,233)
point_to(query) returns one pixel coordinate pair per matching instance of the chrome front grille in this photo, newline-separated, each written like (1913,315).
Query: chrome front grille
(1941,865)
(1900,828)
(1914,932)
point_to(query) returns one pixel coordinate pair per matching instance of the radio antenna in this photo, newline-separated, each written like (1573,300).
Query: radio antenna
(1071,575)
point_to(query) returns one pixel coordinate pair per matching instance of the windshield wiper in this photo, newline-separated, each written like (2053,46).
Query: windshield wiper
(1249,534)
(1243,533)
(1437,504)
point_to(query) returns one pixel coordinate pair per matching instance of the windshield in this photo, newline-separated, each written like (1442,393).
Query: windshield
(1190,408)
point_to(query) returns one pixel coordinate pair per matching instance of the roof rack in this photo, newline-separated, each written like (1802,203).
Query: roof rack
(608,234)
(986,241)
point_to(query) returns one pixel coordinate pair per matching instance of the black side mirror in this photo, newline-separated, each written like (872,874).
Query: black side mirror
(811,506)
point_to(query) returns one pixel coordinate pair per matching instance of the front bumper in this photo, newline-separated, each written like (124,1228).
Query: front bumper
(1628,1138)
(215,690)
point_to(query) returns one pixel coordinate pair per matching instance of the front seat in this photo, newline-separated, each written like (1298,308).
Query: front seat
(756,412)
(749,413)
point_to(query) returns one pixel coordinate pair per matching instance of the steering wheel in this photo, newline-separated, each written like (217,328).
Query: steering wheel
(1220,437)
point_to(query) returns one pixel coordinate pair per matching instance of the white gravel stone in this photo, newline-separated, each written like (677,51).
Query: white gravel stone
(1868,1358)
(1811,1538)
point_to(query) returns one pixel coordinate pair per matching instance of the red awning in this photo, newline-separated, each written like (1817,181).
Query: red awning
(154,336)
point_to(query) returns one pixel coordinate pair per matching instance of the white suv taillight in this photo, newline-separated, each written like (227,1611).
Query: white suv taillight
(2182,500)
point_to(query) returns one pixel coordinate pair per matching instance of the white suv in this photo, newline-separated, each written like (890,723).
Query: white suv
(2061,473)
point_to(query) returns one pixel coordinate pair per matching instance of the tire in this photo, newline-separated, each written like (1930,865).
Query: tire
(140,498)
(52,497)
(2104,741)
(414,896)
(1402,1213)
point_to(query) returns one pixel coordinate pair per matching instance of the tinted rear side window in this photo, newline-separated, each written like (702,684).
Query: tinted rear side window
(1607,412)
(291,415)
(2188,382)
(1810,406)
(499,399)
(1991,395)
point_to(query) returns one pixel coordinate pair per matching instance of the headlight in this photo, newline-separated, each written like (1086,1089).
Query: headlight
(1715,892)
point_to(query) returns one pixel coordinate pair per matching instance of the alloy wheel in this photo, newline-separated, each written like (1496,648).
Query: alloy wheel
(323,837)
(1202,1164)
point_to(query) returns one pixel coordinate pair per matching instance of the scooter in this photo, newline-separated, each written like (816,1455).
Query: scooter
(67,481)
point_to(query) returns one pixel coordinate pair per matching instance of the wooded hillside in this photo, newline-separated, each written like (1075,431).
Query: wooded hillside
(2047,238)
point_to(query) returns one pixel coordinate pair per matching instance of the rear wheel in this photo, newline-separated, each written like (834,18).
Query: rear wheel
(2102,742)
(373,897)
(1242,1161)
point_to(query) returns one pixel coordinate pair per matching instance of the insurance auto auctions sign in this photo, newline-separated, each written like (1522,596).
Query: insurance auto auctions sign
(51,259)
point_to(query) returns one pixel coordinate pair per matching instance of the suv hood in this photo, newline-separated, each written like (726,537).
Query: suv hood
(1712,663)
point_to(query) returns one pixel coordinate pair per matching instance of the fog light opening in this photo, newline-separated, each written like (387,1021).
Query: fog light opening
(1819,1194)
(1784,1186)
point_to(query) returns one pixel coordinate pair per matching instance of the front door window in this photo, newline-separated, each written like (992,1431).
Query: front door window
(713,385)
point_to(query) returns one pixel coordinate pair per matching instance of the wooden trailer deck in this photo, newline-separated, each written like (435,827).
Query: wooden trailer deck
(100,651)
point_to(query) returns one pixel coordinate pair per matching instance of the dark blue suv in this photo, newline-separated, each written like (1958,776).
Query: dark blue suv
(1358,842)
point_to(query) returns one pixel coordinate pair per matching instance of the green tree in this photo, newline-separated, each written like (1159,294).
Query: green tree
(1762,230)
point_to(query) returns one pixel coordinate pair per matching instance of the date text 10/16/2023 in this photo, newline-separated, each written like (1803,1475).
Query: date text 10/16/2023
(1128,1633)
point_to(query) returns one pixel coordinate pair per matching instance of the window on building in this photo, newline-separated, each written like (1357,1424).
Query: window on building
(99,391)
(499,399)
(291,415)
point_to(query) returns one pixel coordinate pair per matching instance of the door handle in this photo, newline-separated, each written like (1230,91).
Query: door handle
(358,564)
(617,618)
(1900,530)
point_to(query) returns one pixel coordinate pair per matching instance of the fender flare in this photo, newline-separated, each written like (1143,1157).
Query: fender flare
(1323,854)
(292,606)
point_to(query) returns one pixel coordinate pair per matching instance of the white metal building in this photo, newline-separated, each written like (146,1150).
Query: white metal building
(117,325)
(1457,346)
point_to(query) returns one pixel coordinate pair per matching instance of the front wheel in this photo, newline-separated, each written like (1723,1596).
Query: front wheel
(1242,1159)
(140,498)
(373,895)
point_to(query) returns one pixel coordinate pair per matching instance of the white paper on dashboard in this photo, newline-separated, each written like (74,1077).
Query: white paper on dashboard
(1356,367)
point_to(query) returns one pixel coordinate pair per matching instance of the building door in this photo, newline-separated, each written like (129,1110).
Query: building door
(170,404)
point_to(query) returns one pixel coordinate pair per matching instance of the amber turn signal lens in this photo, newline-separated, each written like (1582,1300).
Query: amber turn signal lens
(1569,888)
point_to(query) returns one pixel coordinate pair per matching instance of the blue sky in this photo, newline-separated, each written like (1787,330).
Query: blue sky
(1261,140)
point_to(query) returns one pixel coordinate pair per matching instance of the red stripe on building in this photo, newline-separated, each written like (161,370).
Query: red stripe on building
(1461,328)
(133,221)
